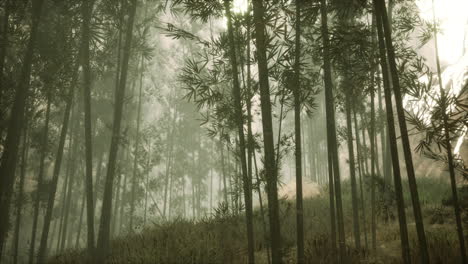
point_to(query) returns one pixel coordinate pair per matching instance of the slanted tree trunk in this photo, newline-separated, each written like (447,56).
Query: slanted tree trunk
(448,145)
(331,131)
(40,177)
(57,166)
(247,181)
(393,144)
(19,205)
(270,167)
(61,213)
(87,8)
(382,12)
(73,148)
(298,137)
(104,228)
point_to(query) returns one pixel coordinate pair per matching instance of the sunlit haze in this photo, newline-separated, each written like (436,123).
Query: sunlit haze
(452,16)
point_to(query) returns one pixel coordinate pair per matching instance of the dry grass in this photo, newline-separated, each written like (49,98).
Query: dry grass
(221,237)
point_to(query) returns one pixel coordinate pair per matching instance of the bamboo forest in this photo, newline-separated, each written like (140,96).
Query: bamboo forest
(233,131)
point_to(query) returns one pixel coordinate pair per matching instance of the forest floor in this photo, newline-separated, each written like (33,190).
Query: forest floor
(221,238)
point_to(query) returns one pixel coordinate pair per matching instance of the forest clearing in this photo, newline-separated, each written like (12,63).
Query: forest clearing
(233,131)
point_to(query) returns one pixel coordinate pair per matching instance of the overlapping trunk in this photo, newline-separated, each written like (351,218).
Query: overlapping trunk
(236,91)
(19,205)
(331,133)
(40,178)
(104,228)
(270,164)
(57,165)
(15,127)
(393,144)
(382,12)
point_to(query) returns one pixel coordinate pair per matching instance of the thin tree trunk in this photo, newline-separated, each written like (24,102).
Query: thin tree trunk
(361,175)
(386,157)
(80,222)
(448,145)
(211,190)
(122,204)
(170,139)
(87,8)
(363,150)
(117,201)
(331,131)
(73,148)
(393,147)
(271,174)
(352,171)
(19,206)
(57,166)
(137,142)
(54,230)
(67,191)
(147,182)
(15,127)
(374,155)
(262,211)
(221,147)
(171,181)
(104,230)
(298,138)
(247,181)
(250,141)
(40,177)
(3,49)
(331,199)
(64,196)
(97,183)
(382,12)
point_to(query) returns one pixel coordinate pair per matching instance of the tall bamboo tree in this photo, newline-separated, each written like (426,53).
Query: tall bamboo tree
(87,8)
(15,126)
(448,146)
(393,147)
(57,165)
(270,167)
(298,140)
(331,131)
(104,227)
(382,12)
(236,91)
(19,205)
(40,178)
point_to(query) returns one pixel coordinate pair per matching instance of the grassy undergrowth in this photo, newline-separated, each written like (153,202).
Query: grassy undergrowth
(221,237)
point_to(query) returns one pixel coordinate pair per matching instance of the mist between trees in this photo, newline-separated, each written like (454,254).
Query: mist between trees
(233,131)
